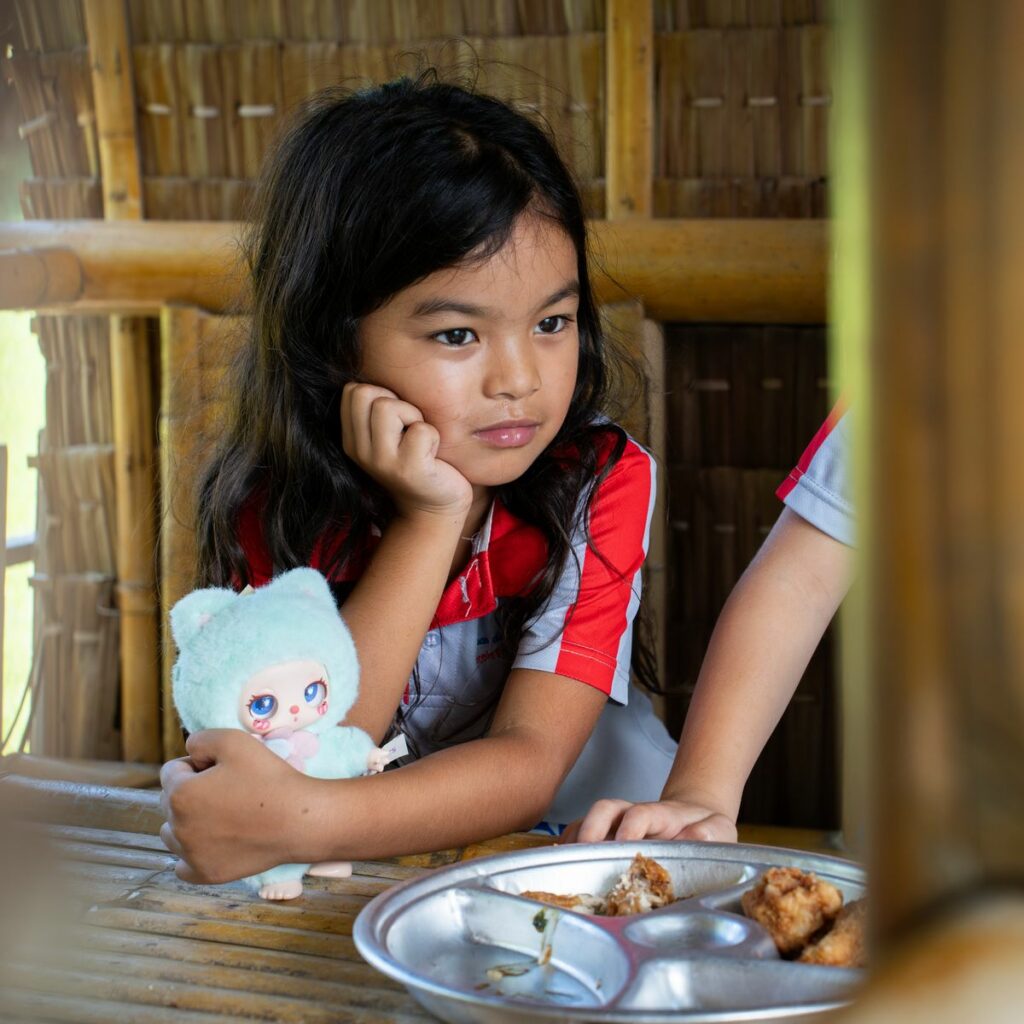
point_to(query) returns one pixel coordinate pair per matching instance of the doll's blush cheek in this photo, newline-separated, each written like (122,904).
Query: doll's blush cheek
(322,709)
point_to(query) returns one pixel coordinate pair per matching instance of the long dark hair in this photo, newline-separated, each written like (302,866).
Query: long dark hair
(364,194)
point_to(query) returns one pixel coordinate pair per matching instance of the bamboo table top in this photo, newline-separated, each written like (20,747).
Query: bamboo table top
(136,944)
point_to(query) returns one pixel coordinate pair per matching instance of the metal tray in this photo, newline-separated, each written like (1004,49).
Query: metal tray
(466,945)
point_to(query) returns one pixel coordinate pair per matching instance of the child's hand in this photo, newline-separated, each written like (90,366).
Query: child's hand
(391,441)
(664,819)
(233,808)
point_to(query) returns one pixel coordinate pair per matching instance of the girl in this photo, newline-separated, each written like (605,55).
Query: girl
(763,640)
(420,416)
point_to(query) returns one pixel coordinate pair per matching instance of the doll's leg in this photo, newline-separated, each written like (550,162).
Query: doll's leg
(288,890)
(331,869)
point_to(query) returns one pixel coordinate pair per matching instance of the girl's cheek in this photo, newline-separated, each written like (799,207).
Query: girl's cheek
(261,725)
(322,709)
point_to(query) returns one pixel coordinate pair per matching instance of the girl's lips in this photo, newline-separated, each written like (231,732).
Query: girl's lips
(510,435)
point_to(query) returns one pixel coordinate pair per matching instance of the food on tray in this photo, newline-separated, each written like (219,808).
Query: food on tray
(792,905)
(583,901)
(843,944)
(644,886)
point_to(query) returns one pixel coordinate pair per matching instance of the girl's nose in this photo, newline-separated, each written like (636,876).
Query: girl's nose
(512,372)
(294,709)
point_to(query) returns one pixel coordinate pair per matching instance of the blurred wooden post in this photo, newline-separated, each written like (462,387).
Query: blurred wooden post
(3,575)
(943,654)
(629,190)
(113,89)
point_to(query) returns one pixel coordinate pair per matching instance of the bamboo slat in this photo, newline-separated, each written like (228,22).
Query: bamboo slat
(737,271)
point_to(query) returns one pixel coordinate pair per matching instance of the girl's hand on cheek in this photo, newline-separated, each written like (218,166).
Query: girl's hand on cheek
(233,808)
(390,440)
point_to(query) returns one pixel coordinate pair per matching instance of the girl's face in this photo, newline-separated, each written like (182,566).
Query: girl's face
(488,352)
(290,695)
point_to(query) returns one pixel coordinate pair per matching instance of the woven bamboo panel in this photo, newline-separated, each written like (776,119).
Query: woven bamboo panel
(741,123)
(74,699)
(366,22)
(74,680)
(208,113)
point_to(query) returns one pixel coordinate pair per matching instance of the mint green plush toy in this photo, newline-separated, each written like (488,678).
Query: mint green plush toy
(279,663)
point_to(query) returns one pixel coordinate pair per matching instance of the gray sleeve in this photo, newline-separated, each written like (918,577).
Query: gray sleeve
(818,489)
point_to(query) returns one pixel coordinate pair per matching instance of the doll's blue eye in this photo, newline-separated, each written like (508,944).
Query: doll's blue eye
(316,692)
(261,707)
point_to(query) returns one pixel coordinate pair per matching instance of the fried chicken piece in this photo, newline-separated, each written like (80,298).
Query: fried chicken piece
(643,887)
(583,901)
(843,944)
(792,905)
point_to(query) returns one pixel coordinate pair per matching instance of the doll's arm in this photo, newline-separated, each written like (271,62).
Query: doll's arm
(344,753)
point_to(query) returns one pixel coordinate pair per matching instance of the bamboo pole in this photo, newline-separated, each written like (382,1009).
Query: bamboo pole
(758,271)
(942,655)
(114,95)
(110,57)
(180,402)
(39,277)
(629,145)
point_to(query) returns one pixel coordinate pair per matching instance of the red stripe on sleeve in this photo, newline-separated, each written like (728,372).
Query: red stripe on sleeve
(811,450)
(589,645)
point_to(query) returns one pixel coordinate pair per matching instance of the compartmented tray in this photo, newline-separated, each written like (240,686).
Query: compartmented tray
(468,947)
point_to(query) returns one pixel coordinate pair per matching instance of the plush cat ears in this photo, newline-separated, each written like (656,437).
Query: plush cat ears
(301,582)
(195,610)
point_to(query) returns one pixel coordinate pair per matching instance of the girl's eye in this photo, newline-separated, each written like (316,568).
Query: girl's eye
(554,324)
(457,337)
(263,707)
(316,692)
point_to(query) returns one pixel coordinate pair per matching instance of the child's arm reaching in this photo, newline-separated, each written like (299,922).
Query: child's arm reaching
(234,809)
(764,638)
(404,581)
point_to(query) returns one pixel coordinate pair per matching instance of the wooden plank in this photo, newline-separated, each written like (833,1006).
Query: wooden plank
(279,962)
(761,271)
(104,773)
(80,1009)
(158,970)
(134,991)
(129,810)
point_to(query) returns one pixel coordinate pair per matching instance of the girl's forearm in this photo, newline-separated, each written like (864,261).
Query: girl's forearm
(764,638)
(390,610)
(487,787)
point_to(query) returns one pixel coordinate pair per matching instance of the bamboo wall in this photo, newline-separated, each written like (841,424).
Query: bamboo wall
(741,108)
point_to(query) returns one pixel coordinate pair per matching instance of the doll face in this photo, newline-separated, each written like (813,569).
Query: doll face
(291,695)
